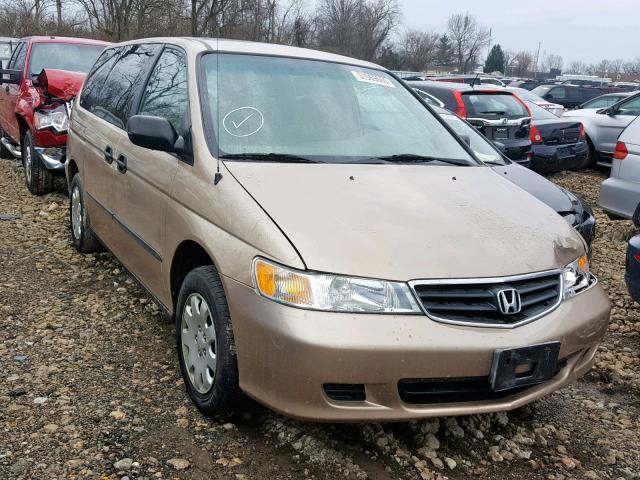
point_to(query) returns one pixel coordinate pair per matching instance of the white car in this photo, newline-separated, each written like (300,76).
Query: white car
(620,193)
(527,96)
(603,126)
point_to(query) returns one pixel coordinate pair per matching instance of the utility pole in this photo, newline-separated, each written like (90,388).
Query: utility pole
(535,74)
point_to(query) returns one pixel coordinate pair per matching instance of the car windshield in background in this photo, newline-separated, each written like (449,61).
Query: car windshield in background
(284,109)
(541,90)
(539,113)
(493,106)
(5,50)
(63,56)
(603,102)
(479,144)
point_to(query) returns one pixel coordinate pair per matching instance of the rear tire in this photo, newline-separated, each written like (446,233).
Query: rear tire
(204,339)
(84,240)
(39,179)
(590,161)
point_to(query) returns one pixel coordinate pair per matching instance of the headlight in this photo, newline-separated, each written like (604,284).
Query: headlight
(55,118)
(576,276)
(334,293)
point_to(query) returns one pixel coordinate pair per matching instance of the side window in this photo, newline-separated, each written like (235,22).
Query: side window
(632,107)
(166,92)
(559,93)
(19,57)
(123,82)
(90,97)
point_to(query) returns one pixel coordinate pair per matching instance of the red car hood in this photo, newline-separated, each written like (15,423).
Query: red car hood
(60,84)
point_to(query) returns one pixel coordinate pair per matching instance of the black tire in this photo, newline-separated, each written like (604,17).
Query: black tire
(84,240)
(4,153)
(590,161)
(39,179)
(224,390)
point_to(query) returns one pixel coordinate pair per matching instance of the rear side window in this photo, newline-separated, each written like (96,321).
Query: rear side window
(493,106)
(116,97)
(166,92)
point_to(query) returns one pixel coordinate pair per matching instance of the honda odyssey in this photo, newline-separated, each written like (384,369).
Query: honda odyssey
(325,243)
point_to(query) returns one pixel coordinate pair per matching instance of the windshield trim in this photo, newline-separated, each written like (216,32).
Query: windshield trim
(206,117)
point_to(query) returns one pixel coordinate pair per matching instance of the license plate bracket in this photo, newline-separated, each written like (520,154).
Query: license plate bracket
(519,367)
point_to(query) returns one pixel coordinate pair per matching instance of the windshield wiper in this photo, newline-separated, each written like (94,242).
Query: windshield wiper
(494,112)
(413,158)
(269,157)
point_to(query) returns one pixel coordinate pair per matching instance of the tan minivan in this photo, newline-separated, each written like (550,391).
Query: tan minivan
(324,242)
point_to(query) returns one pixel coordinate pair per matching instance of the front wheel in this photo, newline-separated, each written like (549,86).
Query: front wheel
(204,338)
(84,240)
(39,179)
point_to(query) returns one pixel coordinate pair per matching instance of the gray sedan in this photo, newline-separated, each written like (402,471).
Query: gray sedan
(620,193)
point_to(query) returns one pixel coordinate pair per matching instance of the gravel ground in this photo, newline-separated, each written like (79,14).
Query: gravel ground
(90,387)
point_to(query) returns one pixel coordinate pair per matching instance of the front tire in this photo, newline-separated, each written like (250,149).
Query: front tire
(39,179)
(84,240)
(4,153)
(204,337)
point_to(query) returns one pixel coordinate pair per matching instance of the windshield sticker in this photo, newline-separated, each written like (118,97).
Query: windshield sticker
(243,121)
(374,79)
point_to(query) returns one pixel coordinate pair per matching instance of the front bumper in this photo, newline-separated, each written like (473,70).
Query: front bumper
(53,158)
(619,196)
(286,355)
(555,158)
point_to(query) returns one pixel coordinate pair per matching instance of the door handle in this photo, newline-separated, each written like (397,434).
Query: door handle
(108,155)
(122,164)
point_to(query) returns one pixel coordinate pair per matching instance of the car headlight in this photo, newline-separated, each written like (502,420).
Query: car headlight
(55,118)
(335,293)
(576,276)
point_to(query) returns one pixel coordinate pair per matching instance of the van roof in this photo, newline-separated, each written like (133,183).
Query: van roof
(255,48)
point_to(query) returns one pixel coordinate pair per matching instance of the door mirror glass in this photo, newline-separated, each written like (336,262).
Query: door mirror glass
(154,133)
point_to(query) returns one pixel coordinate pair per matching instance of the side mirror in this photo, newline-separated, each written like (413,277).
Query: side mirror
(500,146)
(10,76)
(154,133)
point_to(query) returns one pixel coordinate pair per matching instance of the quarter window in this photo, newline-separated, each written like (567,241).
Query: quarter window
(166,92)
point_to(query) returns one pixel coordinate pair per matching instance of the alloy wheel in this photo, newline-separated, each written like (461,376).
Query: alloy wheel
(198,338)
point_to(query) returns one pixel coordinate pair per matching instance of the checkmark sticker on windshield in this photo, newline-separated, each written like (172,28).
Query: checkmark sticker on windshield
(243,121)
(238,125)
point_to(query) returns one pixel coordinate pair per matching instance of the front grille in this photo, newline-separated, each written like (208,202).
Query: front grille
(426,391)
(476,302)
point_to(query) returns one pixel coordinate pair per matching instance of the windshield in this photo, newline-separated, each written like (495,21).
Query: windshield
(539,113)
(603,102)
(524,94)
(480,145)
(493,106)
(63,56)
(541,90)
(284,109)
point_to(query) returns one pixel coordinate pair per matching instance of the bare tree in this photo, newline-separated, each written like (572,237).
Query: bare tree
(522,63)
(468,39)
(419,50)
(577,68)
(509,56)
(551,61)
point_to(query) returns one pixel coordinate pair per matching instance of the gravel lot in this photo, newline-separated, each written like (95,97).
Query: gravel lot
(90,386)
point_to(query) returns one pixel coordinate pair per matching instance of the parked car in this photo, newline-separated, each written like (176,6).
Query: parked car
(572,208)
(430,99)
(558,143)
(632,272)
(528,84)
(603,126)
(43,75)
(528,96)
(495,112)
(569,96)
(604,101)
(470,79)
(6,49)
(620,193)
(626,86)
(288,245)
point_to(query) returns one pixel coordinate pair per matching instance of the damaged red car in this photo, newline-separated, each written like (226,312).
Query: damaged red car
(37,88)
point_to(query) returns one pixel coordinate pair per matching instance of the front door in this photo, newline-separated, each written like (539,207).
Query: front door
(9,93)
(144,185)
(611,126)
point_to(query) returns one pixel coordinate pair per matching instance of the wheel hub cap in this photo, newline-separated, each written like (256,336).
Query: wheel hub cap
(76,213)
(198,343)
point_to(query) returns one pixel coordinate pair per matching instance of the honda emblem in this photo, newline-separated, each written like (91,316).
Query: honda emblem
(509,301)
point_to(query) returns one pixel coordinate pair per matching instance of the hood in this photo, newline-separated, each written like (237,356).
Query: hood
(404,222)
(583,112)
(538,186)
(61,84)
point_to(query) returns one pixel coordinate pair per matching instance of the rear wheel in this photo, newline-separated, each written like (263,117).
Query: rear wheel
(84,240)
(39,179)
(204,338)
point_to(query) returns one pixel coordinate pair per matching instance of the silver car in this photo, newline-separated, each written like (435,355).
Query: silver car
(620,193)
(603,126)
(528,96)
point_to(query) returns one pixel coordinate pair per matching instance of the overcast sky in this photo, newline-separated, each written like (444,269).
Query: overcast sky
(587,30)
